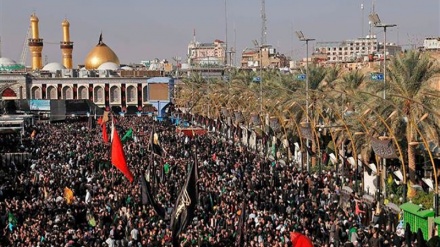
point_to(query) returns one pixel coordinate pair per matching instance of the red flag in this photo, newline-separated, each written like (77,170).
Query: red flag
(358,210)
(99,121)
(300,240)
(118,156)
(104,133)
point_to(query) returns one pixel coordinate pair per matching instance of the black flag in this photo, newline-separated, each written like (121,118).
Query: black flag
(185,206)
(241,224)
(147,197)
(90,123)
(310,151)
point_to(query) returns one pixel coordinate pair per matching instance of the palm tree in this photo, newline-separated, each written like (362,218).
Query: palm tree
(408,87)
(333,75)
(350,85)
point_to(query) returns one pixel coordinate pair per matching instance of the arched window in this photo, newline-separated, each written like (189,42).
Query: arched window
(67,93)
(9,93)
(36,93)
(145,94)
(51,92)
(131,94)
(82,93)
(99,94)
(115,93)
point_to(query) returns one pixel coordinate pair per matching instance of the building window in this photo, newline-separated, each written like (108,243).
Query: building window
(99,94)
(36,93)
(51,92)
(131,94)
(67,93)
(82,93)
(114,94)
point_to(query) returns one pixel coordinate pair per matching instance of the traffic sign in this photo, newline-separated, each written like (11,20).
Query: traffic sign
(301,77)
(377,76)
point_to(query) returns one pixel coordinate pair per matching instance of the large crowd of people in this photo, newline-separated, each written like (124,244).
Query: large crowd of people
(107,210)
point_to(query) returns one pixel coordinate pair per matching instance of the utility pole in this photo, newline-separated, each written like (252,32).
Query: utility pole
(1,26)
(226,34)
(375,20)
(362,18)
(263,42)
(263,24)
(306,40)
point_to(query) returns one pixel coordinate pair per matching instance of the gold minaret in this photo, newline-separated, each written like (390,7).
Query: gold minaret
(66,45)
(35,44)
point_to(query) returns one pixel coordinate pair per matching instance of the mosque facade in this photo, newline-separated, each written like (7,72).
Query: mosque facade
(101,80)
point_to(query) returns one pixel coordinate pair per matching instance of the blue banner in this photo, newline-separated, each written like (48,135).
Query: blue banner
(39,105)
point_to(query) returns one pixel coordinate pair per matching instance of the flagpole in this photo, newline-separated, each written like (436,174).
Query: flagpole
(196,165)
(111,143)
(152,159)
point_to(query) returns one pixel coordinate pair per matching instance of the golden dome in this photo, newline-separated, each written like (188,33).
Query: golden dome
(34,18)
(65,23)
(100,54)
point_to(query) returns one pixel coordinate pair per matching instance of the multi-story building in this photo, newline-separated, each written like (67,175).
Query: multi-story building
(207,54)
(431,44)
(265,57)
(346,51)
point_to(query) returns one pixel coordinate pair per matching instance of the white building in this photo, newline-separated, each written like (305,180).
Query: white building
(348,50)
(430,44)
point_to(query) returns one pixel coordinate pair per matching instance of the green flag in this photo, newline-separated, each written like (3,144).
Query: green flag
(128,135)
(91,220)
(12,219)
(166,168)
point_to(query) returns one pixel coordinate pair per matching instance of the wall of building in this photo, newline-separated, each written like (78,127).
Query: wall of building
(270,58)
(13,86)
(199,52)
(431,44)
(104,92)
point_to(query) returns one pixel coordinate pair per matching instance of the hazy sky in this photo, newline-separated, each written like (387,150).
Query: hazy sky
(143,29)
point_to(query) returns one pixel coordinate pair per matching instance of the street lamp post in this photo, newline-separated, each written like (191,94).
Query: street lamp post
(374,18)
(306,40)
